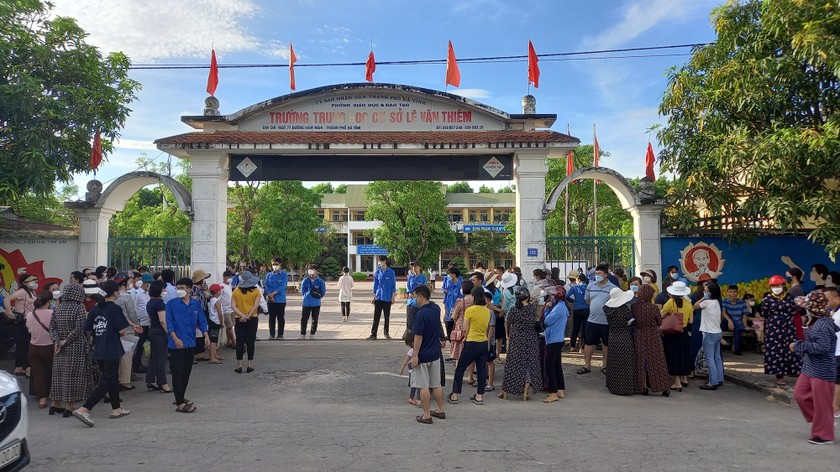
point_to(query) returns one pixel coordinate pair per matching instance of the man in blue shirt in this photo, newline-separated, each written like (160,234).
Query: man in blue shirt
(183,316)
(276,282)
(734,311)
(415,279)
(674,272)
(425,361)
(384,290)
(597,330)
(312,289)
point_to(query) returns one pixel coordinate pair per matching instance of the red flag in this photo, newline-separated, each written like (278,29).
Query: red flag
(96,151)
(650,159)
(213,77)
(453,75)
(597,149)
(533,67)
(292,60)
(370,67)
(570,163)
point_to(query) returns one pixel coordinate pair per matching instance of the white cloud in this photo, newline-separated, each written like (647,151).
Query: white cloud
(471,93)
(641,16)
(335,39)
(135,144)
(152,30)
(493,10)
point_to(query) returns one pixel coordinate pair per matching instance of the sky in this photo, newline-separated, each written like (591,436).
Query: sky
(620,96)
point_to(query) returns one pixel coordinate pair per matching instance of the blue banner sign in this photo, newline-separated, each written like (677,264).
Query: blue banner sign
(491,228)
(320,230)
(371,250)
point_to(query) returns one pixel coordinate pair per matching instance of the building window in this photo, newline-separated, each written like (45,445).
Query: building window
(454,216)
(501,216)
(339,215)
(473,216)
(321,214)
(361,240)
(484,216)
(358,216)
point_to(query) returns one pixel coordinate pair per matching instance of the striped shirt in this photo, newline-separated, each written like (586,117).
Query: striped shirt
(817,350)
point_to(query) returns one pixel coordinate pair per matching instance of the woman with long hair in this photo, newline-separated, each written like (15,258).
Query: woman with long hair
(476,320)
(41,346)
(710,307)
(522,368)
(156,309)
(651,369)
(245,303)
(456,336)
(677,346)
(72,374)
(19,306)
(778,309)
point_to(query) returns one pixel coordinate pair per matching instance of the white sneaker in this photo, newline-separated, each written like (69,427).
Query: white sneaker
(302,336)
(311,336)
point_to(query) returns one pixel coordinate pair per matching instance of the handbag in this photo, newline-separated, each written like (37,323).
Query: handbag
(457,334)
(672,324)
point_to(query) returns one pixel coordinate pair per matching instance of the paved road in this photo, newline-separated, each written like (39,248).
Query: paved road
(339,406)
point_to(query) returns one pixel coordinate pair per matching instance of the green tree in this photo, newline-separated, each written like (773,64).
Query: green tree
(413,214)
(330,267)
(341,188)
(485,189)
(47,208)
(459,187)
(753,130)
(486,245)
(285,226)
(56,91)
(144,216)
(507,189)
(241,219)
(323,187)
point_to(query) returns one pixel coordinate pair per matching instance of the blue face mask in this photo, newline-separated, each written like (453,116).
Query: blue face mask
(675,275)
(707,295)
(598,279)
(634,288)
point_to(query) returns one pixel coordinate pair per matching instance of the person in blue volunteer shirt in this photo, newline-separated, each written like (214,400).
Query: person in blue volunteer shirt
(183,316)
(312,289)
(384,290)
(415,278)
(107,323)
(276,282)
(452,293)
(577,294)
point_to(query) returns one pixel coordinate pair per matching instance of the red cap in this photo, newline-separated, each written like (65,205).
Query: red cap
(777,280)
(215,288)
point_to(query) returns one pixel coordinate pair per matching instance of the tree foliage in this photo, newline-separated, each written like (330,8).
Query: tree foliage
(485,189)
(55,92)
(486,245)
(341,188)
(286,223)
(752,119)
(47,208)
(323,187)
(145,216)
(459,187)
(413,214)
(507,189)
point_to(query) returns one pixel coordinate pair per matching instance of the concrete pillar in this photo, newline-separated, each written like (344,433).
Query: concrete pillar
(647,246)
(529,174)
(209,173)
(93,236)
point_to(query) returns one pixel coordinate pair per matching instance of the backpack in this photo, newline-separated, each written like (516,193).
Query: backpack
(700,364)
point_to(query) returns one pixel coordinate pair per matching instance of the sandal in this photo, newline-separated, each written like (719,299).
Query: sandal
(472,383)
(428,420)
(123,412)
(503,395)
(215,362)
(489,388)
(438,414)
(449,398)
(781,383)
(584,370)
(187,408)
(476,401)
(188,402)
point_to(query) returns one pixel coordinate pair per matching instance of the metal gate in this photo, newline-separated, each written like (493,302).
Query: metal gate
(156,253)
(570,253)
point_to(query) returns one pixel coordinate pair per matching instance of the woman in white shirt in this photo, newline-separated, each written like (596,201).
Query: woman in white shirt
(345,293)
(710,327)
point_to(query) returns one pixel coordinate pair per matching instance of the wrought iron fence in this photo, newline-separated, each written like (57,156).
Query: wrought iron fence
(571,252)
(156,253)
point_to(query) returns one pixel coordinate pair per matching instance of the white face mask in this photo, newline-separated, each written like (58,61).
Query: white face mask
(275,267)
(180,293)
(777,290)
(646,279)
(32,285)
(311,271)
(56,295)
(750,303)
(138,284)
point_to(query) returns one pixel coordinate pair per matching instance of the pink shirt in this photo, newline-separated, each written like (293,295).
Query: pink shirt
(40,336)
(23,301)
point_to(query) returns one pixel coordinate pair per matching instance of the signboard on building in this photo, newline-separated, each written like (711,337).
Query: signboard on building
(490,228)
(366,110)
(371,250)
(533,252)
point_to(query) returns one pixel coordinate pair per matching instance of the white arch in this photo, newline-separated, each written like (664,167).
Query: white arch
(625,193)
(117,194)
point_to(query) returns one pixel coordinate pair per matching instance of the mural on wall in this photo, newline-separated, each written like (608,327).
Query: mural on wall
(13,264)
(701,261)
(750,261)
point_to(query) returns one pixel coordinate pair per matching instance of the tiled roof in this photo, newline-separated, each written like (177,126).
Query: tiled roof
(369,137)
(480,198)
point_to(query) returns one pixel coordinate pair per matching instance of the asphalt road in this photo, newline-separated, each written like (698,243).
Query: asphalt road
(339,406)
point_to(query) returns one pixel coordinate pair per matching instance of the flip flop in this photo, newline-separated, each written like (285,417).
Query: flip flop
(450,400)
(123,412)
(188,408)
(584,370)
(438,414)
(477,402)
(489,389)
(428,420)
(215,362)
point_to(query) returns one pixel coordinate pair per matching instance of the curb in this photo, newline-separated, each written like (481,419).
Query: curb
(777,394)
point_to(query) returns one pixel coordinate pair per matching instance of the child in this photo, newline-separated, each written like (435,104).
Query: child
(735,311)
(216,323)
(414,393)
(345,293)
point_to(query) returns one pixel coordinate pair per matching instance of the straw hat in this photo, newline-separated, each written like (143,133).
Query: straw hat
(199,276)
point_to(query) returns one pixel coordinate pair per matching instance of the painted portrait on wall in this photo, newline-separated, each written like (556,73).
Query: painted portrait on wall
(701,261)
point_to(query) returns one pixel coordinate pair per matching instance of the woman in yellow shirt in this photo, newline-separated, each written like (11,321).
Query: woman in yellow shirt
(245,301)
(476,347)
(678,345)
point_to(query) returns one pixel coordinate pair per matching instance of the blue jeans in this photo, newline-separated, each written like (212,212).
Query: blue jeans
(736,336)
(711,347)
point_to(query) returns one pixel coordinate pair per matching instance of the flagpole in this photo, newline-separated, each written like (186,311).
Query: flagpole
(568,187)
(594,192)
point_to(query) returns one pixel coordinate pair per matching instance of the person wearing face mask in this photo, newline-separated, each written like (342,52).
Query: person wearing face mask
(522,367)
(710,307)
(384,291)
(125,301)
(18,306)
(184,316)
(276,282)
(452,292)
(794,278)
(41,348)
(674,274)
(649,278)
(141,298)
(597,329)
(312,289)
(108,324)
(229,338)
(778,309)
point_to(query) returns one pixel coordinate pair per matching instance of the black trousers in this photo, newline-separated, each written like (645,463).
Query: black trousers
(22,340)
(156,369)
(308,311)
(276,318)
(579,325)
(345,308)
(379,307)
(474,351)
(246,337)
(180,363)
(554,367)
(137,359)
(109,383)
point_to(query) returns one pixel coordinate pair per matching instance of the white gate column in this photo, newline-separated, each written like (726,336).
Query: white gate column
(529,174)
(209,173)
(647,247)
(93,235)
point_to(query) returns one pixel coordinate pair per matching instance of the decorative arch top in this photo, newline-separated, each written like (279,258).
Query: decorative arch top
(622,188)
(124,187)
(366,107)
